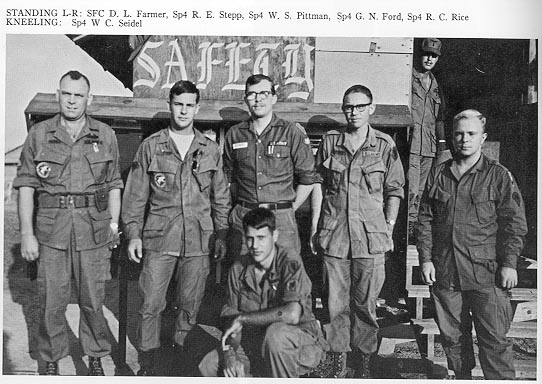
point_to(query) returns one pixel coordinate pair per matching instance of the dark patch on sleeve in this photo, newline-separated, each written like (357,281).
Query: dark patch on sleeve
(135,165)
(292,285)
(516,198)
(293,266)
(394,154)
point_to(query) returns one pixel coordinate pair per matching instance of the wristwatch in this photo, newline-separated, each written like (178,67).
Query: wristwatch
(390,222)
(114,226)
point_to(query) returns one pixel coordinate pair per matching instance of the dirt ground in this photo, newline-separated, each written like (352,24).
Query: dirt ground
(404,363)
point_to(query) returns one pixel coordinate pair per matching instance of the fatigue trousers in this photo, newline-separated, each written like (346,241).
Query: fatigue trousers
(492,314)
(353,286)
(286,351)
(286,225)
(158,269)
(418,170)
(90,269)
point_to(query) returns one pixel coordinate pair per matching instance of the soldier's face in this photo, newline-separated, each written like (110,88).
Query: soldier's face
(429,60)
(183,109)
(73,97)
(468,137)
(261,244)
(261,106)
(355,118)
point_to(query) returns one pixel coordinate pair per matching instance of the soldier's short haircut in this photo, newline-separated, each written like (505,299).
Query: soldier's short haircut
(75,75)
(469,114)
(183,86)
(359,89)
(258,78)
(260,218)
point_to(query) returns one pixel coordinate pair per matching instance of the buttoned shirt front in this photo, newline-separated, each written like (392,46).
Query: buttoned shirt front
(471,226)
(356,185)
(53,164)
(265,168)
(187,199)
(427,108)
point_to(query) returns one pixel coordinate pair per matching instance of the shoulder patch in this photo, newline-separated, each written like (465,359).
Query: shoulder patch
(516,198)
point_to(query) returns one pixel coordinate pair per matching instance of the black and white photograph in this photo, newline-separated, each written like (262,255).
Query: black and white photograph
(233,191)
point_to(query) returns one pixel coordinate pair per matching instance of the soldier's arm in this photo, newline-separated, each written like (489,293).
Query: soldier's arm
(220,209)
(512,228)
(303,161)
(29,243)
(424,232)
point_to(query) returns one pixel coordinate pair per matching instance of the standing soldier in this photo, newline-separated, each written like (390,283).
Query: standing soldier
(177,173)
(264,158)
(362,181)
(427,138)
(468,200)
(71,161)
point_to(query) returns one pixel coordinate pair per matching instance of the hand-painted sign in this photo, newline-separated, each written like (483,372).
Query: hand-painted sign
(219,65)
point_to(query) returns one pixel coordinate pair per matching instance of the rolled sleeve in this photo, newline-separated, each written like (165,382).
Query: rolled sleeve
(231,308)
(113,178)
(395,175)
(26,170)
(303,159)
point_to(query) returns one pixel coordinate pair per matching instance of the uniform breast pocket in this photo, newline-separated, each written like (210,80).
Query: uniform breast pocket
(99,163)
(374,176)
(484,204)
(335,172)
(49,165)
(205,172)
(278,160)
(440,199)
(162,172)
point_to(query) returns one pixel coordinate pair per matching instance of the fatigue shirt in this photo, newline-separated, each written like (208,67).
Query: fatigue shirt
(53,164)
(286,281)
(356,185)
(427,108)
(470,227)
(266,167)
(187,200)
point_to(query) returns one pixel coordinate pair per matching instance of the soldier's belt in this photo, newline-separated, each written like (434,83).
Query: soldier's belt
(270,206)
(67,201)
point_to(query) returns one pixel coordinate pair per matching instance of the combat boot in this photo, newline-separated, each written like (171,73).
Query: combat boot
(95,366)
(463,375)
(146,363)
(51,368)
(363,370)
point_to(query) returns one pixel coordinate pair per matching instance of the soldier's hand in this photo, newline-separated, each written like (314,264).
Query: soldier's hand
(428,273)
(135,250)
(29,247)
(115,239)
(233,331)
(509,277)
(220,250)
(233,367)
(313,240)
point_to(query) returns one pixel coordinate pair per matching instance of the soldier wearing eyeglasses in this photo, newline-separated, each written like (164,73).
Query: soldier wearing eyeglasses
(362,185)
(269,163)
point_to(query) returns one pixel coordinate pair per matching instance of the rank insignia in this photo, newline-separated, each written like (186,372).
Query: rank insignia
(43,169)
(160,180)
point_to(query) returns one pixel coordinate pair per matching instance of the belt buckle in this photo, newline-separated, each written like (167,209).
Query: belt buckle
(270,206)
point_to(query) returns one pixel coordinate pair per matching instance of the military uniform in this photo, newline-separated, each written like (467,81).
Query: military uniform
(72,180)
(427,109)
(188,201)
(264,169)
(352,231)
(457,230)
(278,350)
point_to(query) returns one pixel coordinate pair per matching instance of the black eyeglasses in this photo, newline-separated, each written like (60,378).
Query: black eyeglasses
(359,107)
(253,95)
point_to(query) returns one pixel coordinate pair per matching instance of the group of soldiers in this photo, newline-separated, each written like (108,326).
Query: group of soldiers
(185,203)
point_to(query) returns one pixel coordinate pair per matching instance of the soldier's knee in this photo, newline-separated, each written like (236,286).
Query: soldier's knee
(208,366)
(276,337)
